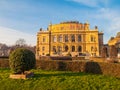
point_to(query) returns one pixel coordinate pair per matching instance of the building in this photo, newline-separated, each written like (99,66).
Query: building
(114,46)
(69,37)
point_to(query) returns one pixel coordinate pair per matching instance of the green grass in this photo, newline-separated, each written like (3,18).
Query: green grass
(59,80)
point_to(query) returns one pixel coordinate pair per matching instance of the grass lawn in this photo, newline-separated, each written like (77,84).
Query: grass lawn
(59,80)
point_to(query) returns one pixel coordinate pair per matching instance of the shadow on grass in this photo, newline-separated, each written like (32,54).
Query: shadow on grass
(59,74)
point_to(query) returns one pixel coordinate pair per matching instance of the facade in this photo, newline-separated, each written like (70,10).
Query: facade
(69,37)
(114,46)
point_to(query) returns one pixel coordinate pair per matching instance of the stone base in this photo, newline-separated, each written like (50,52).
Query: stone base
(27,74)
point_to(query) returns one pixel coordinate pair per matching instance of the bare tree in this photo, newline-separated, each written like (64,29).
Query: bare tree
(20,42)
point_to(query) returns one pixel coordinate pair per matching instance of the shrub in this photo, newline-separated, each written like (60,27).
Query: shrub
(111,69)
(21,59)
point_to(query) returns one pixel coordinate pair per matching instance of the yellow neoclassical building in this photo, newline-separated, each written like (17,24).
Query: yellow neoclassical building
(69,37)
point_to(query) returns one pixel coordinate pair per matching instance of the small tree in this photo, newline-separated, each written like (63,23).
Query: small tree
(21,60)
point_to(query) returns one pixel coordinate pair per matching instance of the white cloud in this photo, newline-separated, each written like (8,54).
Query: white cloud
(111,21)
(113,18)
(9,36)
(91,3)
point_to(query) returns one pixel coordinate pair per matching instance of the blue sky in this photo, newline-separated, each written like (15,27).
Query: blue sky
(27,16)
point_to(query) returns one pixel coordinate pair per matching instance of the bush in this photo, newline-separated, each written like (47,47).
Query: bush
(111,69)
(21,59)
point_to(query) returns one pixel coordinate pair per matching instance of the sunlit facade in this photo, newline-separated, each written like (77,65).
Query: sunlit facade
(114,46)
(69,37)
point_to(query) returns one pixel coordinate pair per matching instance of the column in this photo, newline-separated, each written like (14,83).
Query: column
(76,48)
(69,38)
(69,48)
(63,38)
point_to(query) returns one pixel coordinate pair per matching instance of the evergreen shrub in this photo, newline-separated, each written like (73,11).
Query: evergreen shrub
(21,60)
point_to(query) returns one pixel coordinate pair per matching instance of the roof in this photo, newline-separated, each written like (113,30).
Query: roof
(69,22)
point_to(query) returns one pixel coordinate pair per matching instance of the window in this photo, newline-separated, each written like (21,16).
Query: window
(59,48)
(66,38)
(54,48)
(92,48)
(79,38)
(73,48)
(44,38)
(95,49)
(66,48)
(54,38)
(60,38)
(92,39)
(72,27)
(43,48)
(73,38)
(79,48)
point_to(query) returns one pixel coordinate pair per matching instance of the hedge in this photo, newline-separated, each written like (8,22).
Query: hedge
(60,58)
(55,58)
(4,63)
(111,69)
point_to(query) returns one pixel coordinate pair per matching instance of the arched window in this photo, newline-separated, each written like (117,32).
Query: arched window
(79,38)
(66,48)
(54,48)
(66,38)
(79,49)
(73,38)
(59,48)
(73,48)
